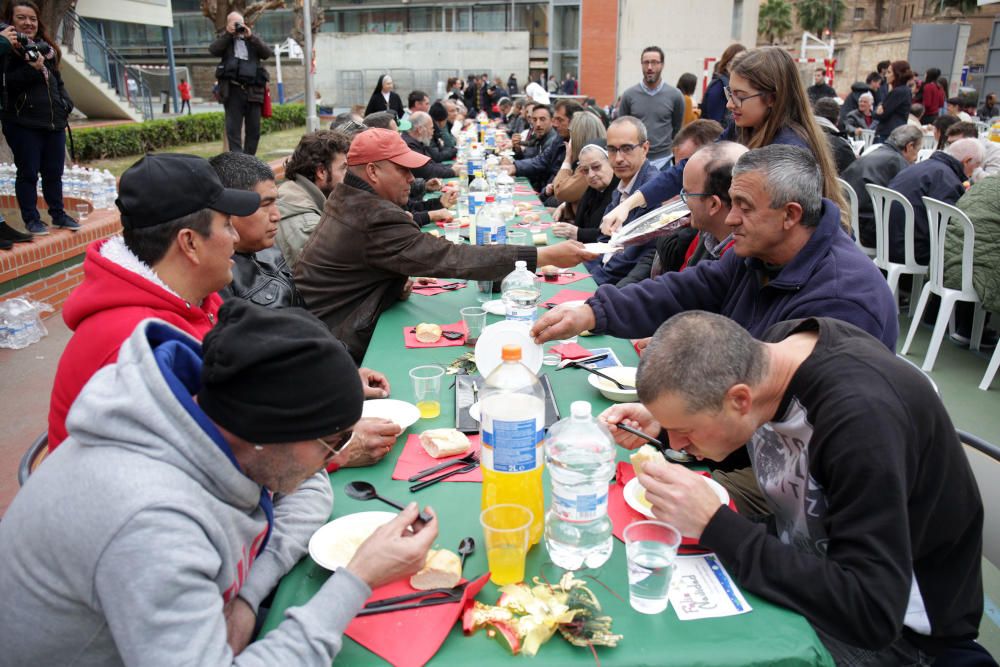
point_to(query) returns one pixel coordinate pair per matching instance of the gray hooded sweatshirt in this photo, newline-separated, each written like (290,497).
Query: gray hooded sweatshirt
(124,546)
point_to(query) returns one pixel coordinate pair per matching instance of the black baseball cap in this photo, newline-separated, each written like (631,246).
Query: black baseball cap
(162,187)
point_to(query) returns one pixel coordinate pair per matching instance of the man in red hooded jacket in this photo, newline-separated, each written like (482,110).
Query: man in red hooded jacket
(174,255)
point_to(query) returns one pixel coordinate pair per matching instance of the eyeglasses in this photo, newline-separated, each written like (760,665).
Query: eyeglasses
(624,149)
(335,448)
(736,100)
(685,195)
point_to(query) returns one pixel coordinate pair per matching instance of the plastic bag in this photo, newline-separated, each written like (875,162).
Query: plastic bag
(21,322)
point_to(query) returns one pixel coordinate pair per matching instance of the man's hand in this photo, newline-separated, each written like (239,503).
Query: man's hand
(515,140)
(631,414)
(510,169)
(565,254)
(615,219)
(433,185)
(373,439)
(641,344)
(442,214)
(565,230)
(38,63)
(548,190)
(374,383)
(679,497)
(562,322)
(407,290)
(449,197)
(394,550)
(240,621)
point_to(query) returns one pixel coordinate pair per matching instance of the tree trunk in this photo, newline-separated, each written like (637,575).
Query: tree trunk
(316,17)
(218,10)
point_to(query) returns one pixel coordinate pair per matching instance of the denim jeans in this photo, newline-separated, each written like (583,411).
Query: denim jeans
(37,152)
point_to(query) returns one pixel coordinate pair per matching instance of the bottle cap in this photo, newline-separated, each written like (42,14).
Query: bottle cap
(511,353)
(580,409)
(490,199)
(520,264)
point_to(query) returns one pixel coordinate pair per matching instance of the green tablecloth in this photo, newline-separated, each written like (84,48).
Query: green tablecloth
(769,635)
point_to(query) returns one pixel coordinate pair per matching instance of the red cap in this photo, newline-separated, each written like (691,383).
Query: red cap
(380,144)
(510,353)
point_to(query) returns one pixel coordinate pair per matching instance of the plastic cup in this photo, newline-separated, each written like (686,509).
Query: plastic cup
(475,320)
(452,231)
(427,390)
(484,291)
(82,212)
(515,237)
(650,548)
(506,529)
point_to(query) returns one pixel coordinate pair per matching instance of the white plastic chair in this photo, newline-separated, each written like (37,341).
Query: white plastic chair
(852,198)
(882,200)
(991,370)
(924,153)
(868,136)
(939,215)
(929,143)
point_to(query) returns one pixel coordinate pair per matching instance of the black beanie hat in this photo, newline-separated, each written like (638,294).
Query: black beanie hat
(277,375)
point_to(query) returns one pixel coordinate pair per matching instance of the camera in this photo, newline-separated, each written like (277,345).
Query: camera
(240,28)
(32,49)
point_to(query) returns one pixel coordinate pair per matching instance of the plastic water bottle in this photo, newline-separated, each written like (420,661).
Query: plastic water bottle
(8,173)
(580,455)
(490,229)
(521,294)
(71,182)
(512,427)
(505,195)
(491,137)
(110,189)
(478,189)
(96,189)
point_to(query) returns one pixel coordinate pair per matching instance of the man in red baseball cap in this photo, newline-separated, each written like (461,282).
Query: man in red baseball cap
(366,246)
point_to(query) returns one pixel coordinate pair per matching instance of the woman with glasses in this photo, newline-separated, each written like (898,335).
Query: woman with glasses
(769,106)
(895,108)
(384,98)
(601,181)
(569,183)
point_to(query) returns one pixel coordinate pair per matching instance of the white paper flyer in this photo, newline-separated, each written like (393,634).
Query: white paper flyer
(701,588)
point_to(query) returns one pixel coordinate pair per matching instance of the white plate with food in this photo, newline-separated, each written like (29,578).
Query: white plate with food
(600,248)
(495,307)
(635,495)
(489,347)
(335,544)
(403,413)
(611,391)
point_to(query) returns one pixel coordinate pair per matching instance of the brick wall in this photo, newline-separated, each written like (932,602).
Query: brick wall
(598,44)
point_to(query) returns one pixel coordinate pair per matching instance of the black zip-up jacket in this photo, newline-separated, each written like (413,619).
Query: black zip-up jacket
(30,98)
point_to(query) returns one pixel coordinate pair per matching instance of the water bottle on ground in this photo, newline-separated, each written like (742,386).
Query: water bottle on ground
(478,190)
(512,427)
(490,229)
(580,455)
(521,294)
(110,189)
(96,189)
(20,323)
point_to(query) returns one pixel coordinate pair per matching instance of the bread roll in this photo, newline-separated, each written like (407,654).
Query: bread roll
(428,333)
(642,455)
(443,569)
(441,442)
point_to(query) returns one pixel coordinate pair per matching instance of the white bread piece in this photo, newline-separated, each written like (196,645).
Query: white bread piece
(441,442)
(443,569)
(428,333)
(642,455)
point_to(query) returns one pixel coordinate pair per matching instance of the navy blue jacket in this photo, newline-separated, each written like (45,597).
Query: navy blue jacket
(829,277)
(940,177)
(668,184)
(543,167)
(713,106)
(621,263)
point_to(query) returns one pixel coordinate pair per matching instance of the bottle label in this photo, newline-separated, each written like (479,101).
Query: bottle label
(500,235)
(579,507)
(515,445)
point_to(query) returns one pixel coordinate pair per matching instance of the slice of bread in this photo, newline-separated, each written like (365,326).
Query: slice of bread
(428,333)
(441,442)
(443,569)
(642,455)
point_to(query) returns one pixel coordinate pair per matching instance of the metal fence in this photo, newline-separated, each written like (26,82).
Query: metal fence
(356,86)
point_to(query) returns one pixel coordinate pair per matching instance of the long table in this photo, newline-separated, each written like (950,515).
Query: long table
(768,635)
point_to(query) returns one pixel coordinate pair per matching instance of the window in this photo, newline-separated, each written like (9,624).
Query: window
(535,19)
(859,13)
(565,28)
(490,18)
(736,31)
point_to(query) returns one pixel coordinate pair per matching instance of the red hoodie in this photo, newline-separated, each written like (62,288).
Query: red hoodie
(102,312)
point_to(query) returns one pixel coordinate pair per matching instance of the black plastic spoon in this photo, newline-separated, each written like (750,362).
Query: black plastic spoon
(466,548)
(365,491)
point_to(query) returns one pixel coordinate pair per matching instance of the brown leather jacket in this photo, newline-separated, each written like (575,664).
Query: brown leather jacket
(357,261)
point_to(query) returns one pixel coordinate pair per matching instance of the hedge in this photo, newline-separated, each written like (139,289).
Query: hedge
(137,138)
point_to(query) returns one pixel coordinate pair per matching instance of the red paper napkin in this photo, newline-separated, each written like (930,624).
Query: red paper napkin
(567,295)
(411,338)
(414,458)
(565,278)
(571,351)
(622,515)
(428,289)
(411,637)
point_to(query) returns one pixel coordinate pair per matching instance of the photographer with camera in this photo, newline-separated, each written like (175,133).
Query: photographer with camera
(35,116)
(242,81)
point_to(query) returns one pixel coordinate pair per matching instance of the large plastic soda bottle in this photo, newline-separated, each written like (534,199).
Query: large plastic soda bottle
(478,189)
(580,455)
(520,294)
(490,229)
(512,427)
